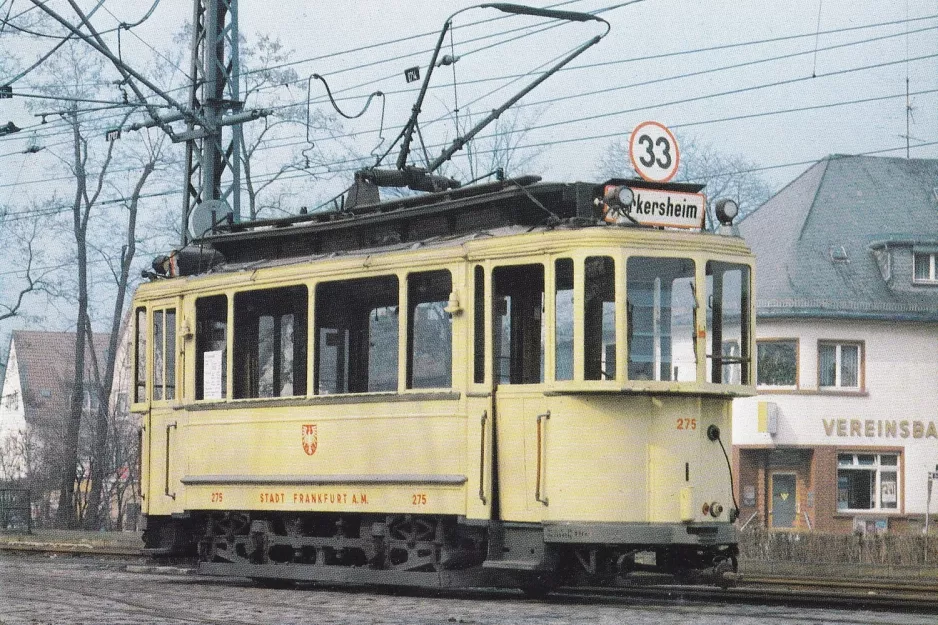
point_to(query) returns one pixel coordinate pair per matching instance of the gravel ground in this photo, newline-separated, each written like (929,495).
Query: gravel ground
(38,590)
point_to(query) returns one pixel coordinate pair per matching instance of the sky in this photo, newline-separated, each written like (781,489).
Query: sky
(780,84)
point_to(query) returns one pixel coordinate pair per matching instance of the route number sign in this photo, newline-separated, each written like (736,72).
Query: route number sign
(654,152)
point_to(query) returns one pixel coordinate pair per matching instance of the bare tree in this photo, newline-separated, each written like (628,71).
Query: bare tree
(264,79)
(726,175)
(20,239)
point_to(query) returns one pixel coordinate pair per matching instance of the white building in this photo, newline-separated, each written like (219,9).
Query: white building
(844,431)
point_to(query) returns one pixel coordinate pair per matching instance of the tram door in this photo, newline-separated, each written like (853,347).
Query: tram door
(518,345)
(155,386)
(482,491)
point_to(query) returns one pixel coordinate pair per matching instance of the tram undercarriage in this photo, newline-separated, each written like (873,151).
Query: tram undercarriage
(419,550)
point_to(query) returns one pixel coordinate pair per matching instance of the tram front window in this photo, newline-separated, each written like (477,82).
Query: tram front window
(727,323)
(661,301)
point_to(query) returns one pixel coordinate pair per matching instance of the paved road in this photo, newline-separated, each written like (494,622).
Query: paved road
(39,590)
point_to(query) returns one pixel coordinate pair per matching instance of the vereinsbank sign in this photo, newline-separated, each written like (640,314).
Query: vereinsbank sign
(661,208)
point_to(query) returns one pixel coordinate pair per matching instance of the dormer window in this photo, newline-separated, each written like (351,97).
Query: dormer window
(925,271)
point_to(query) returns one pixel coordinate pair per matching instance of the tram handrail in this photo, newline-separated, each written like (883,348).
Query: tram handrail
(537,484)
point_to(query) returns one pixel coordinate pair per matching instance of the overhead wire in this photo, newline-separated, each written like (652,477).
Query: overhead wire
(585,66)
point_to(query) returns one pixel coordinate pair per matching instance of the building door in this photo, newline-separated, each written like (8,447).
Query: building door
(783,500)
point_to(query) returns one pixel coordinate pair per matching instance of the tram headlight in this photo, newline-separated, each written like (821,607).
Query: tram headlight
(716,509)
(726,210)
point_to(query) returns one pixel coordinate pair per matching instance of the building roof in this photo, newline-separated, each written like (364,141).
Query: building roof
(816,240)
(46,363)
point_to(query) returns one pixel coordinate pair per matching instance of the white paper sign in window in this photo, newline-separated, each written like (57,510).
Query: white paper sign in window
(212,374)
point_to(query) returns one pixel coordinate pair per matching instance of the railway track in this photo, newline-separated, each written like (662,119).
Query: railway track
(870,594)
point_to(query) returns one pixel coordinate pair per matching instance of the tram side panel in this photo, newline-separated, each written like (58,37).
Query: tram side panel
(401,457)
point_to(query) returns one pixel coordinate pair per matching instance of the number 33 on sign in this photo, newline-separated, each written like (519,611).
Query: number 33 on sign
(654,152)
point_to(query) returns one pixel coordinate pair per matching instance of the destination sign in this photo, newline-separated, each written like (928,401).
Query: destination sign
(665,209)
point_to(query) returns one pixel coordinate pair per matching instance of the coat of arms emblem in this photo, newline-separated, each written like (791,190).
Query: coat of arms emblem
(310,439)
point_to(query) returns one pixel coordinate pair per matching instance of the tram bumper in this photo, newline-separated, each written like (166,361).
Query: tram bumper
(577,532)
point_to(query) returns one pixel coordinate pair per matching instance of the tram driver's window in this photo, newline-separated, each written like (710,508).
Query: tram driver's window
(430,330)
(727,323)
(211,351)
(661,302)
(357,336)
(270,342)
(599,318)
(518,324)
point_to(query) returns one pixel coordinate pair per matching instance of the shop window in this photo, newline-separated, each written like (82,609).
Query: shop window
(599,318)
(211,347)
(728,327)
(478,326)
(661,304)
(140,350)
(563,319)
(357,336)
(867,481)
(777,363)
(430,330)
(164,354)
(839,365)
(519,328)
(270,342)
(925,267)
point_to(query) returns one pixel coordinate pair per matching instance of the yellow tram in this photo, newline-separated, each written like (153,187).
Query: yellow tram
(490,384)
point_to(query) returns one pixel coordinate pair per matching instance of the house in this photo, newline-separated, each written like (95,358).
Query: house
(34,406)
(844,431)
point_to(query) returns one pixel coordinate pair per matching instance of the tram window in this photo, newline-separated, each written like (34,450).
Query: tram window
(599,318)
(430,330)
(140,374)
(357,336)
(563,319)
(211,347)
(270,342)
(660,304)
(728,323)
(518,326)
(164,354)
(479,326)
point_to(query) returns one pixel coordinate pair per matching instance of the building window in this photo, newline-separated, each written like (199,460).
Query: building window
(357,336)
(839,365)
(867,482)
(925,268)
(777,363)
(270,342)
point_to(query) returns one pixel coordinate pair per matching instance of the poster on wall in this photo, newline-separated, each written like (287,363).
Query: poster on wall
(888,492)
(749,495)
(843,493)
